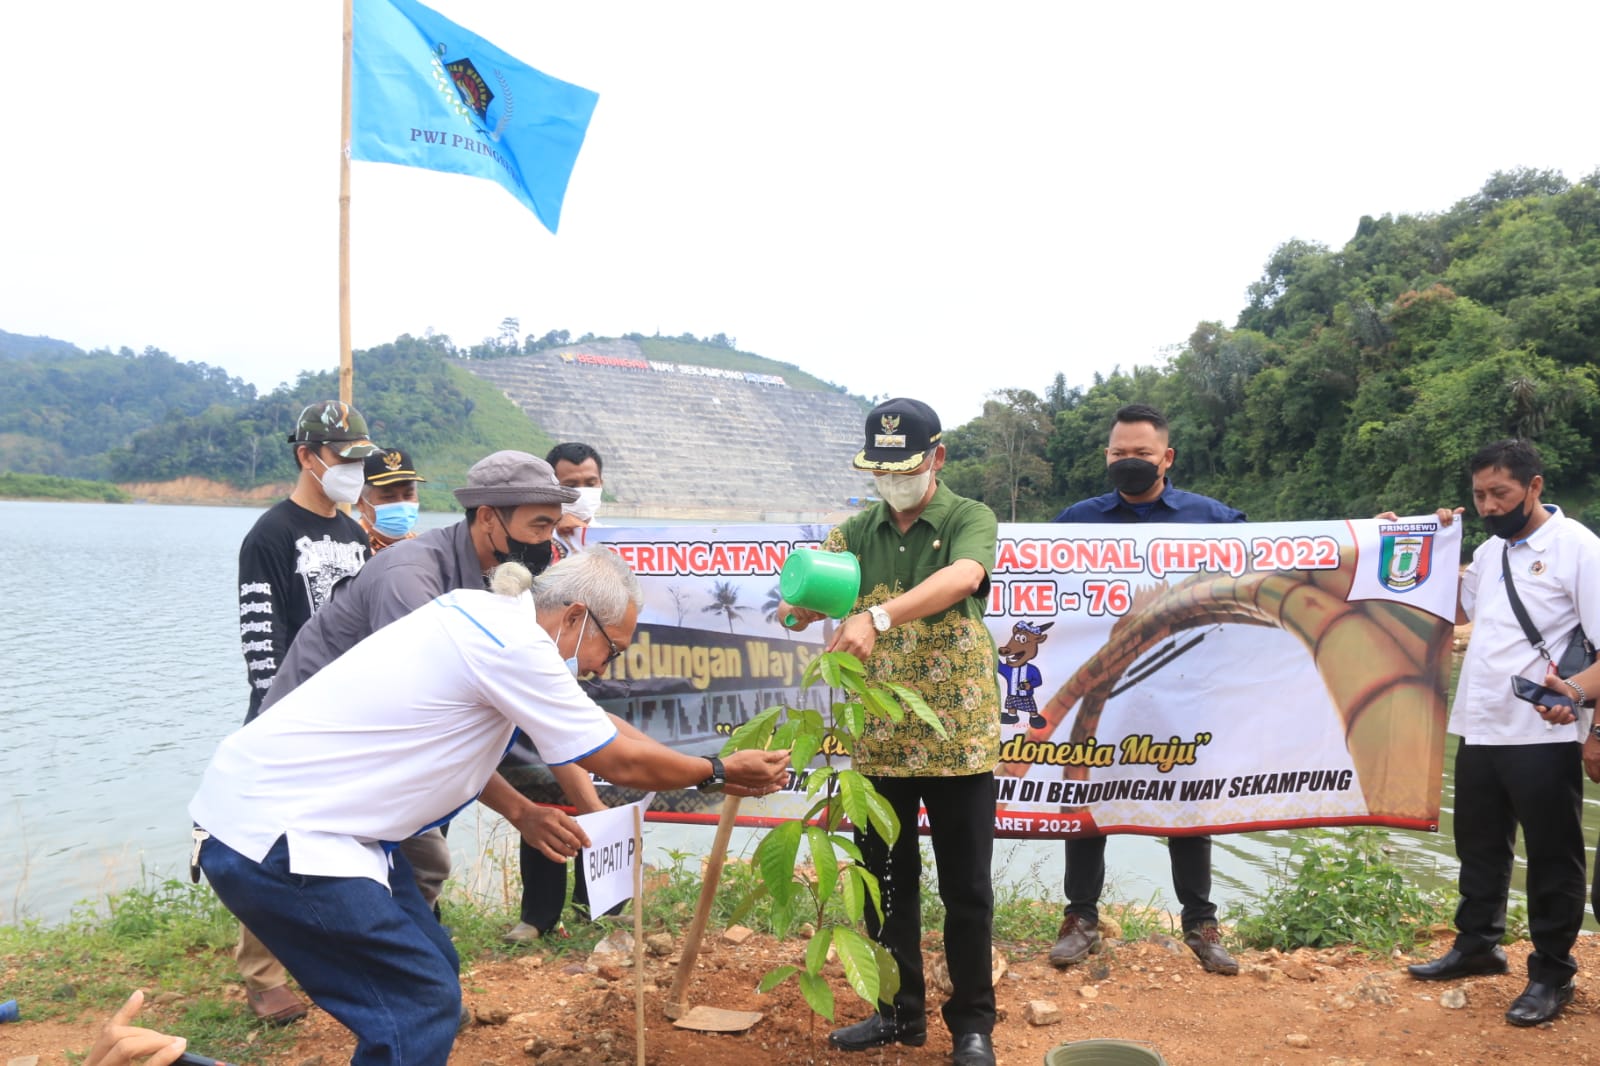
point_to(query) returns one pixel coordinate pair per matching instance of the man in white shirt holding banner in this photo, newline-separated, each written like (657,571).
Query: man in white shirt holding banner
(1514,770)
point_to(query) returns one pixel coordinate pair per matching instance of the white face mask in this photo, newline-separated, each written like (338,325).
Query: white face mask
(903,491)
(587,505)
(343,483)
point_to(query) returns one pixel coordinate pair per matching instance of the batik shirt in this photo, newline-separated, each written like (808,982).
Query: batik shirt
(948,658)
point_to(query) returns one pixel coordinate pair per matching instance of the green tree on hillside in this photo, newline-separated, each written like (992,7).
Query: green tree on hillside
(62,413)
(510,330)
(999,457)
(1361,378)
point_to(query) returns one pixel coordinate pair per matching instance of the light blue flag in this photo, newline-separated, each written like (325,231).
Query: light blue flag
(427,93)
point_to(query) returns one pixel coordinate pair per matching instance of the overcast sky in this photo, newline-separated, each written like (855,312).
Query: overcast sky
(903,198)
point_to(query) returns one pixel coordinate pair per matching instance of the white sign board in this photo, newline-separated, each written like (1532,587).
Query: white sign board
(613,850)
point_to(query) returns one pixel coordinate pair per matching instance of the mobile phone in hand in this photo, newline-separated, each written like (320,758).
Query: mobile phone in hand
(1524,689)
(187,1059)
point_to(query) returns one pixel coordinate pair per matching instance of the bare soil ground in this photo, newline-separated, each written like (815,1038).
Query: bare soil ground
(196,490)
(1331,1007)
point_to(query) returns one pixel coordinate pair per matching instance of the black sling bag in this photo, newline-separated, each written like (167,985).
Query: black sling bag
(1580,652)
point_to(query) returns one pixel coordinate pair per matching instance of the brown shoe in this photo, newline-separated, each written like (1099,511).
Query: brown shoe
(1206,943)
(1076,940)
(277,1006)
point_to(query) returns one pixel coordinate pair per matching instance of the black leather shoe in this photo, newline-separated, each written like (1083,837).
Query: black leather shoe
(1453,964)
(1539,1003)
(973,1049)
(878,1031)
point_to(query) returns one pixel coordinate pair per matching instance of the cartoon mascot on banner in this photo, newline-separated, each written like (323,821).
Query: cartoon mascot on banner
(1022,677)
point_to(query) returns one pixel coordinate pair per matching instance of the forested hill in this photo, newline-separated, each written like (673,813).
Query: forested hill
(17,346)
(1356,379)
(145,417)
(64,411)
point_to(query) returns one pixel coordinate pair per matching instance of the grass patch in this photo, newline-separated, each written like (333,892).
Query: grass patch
(672,350)
(171,938)
(48,487)
(496,424)
(1139,920)
(176,940)
(1339,887)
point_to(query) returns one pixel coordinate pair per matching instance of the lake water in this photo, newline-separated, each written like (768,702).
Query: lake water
(120,671)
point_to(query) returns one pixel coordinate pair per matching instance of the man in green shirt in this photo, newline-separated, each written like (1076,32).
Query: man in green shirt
(925,557)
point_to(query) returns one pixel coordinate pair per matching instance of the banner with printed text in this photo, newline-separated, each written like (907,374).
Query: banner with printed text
(1152,678)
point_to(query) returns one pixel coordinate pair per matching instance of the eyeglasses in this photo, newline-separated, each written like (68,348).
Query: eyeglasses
(615,651)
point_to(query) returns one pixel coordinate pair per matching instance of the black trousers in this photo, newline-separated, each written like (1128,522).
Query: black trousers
(1540,788)
(1085,878)
(961,828)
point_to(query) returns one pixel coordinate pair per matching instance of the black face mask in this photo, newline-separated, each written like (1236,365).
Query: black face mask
(1509,524)
(1131,477)
(536,557)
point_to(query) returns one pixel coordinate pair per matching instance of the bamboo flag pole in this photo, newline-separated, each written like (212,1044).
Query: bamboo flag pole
(638,926)
(347,371)
(676,1005)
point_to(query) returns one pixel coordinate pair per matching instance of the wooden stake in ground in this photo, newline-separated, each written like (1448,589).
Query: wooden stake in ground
(638,925)
(677,1005)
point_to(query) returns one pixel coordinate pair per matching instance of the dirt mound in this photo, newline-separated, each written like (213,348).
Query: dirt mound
(1332,1007)
(203,490)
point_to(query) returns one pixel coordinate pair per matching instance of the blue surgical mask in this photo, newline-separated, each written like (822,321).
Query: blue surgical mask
(571,662)
(394,519)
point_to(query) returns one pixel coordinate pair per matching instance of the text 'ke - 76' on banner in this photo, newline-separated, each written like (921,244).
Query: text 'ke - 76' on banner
(1152,678)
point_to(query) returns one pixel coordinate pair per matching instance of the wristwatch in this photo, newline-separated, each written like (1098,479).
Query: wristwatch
(718,780)
(1594,731)
(880,619)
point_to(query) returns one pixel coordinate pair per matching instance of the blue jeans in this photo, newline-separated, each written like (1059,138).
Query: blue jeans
(374,958)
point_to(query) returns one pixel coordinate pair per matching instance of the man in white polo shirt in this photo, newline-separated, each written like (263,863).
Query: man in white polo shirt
(1513,768)
(299,812)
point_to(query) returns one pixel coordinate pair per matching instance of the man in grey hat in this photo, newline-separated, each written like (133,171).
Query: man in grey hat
(513,502)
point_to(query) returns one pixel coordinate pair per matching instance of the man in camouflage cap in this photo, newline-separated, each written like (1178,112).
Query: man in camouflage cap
(289,562)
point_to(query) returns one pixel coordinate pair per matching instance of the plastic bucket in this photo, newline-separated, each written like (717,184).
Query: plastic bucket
(1103,1053)
(826,582)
